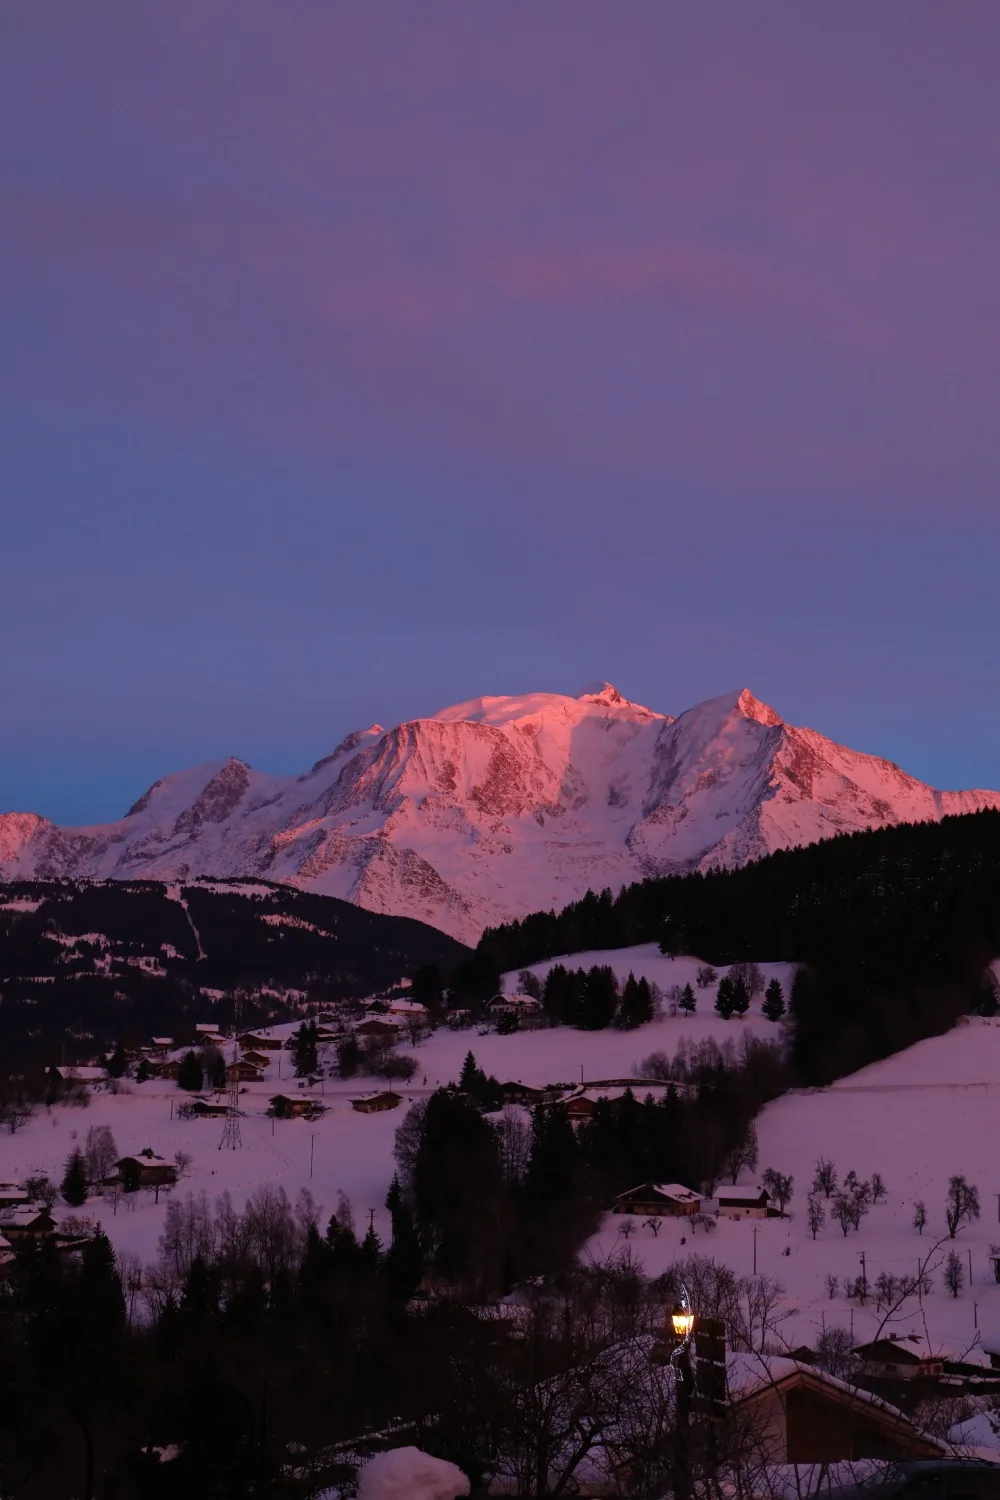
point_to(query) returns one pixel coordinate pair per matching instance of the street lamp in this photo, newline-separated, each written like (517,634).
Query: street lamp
(682,1319)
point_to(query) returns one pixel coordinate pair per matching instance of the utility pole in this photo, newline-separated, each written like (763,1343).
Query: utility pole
(969,1248)
(755,1249)
(312,1147)
(864,1274)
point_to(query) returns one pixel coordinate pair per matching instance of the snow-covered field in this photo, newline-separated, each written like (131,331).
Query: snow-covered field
(916,1118)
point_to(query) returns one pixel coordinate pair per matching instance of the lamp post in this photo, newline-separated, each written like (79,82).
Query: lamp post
(682,1322)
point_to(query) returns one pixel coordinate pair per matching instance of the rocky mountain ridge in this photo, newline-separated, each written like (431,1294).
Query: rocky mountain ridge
(497,807)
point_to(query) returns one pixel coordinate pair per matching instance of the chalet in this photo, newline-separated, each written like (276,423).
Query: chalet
(409,1010)
(206,1109)
(257,1043)
(243,1071)
(146,1169)
(28,1221)
(517,1092)
(378,1027)
(256,1060)
(169,1069)
(522,1006)
(207,1031)
(899,1356)
(159,1046)
(12,1196)
(656,1199)
(801,1415)
(371,1104)
(81,1076)
(295,1106)
(743,1202)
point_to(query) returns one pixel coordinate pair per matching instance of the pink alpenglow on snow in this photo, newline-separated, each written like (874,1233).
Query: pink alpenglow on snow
(497,807)
(410,1474)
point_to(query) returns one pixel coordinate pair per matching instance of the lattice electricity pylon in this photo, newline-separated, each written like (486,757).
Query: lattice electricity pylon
(231,1136)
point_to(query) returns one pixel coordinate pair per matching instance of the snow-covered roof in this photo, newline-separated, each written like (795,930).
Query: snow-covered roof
(741,1194)
(82,1074)
(675,1190)
(746,1374)
(145,1159)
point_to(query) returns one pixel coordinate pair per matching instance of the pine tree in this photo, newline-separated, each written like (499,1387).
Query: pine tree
(636,1005)
(191,1075)
(688,1001)
(741,997)
(774,1001)
(724,998)
(403,1261)
(470,1074)
(600,999)
(74,1183)
(370,1254)
(304,1051)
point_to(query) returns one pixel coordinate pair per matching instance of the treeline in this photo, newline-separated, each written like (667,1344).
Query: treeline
(894,929)
(592,999)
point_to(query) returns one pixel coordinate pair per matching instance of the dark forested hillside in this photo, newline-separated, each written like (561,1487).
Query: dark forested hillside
(83,965)
(895,928)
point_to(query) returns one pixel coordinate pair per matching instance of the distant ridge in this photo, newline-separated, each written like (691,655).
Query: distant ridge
(497,807)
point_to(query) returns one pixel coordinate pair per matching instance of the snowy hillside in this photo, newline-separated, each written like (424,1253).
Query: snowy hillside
(498,807)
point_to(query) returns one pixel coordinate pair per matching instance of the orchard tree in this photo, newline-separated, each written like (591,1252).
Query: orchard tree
(815,1214)
(751,975)
(843,1211)
(706,977)
(919,1215)
(774,1001)
(954,1273)
(825,1180)
(879,1190)
(961,1205)
(779,1186)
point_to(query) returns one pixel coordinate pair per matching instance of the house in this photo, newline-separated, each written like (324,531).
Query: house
(28,1221)
(11,1196)
(205,1109)
(801,1415)
(160,1044)
(371,1104)
(378,1027)
(256,1060)
(81,1076)
(169,1069)
(409,1010)
(517,1092)
(257,1043)
(243,1071)
(658,1198)
(206,1031)
(523,1006)
(899,1356)
(743,1202)
(146,1169)
(295,1106)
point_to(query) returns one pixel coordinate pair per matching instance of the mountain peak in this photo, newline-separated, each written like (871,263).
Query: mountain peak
(752,708)
(601,692)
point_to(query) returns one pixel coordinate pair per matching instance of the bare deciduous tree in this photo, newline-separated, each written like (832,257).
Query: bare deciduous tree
(825,1180)
(961,1205)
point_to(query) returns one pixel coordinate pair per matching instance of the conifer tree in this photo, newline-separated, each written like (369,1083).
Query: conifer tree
(74,1183)
(724,998)
(688,1001)
(191,1075)
(304,1051)
(403,1261)
(741,997)
(774,1001)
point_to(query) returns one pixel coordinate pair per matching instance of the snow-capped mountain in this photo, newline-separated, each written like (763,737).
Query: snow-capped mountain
(498,807)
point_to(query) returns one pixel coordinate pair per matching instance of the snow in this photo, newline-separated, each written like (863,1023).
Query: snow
(497,807)
(410,1474)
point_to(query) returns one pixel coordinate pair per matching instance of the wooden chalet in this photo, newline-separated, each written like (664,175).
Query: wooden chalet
(81,1076)
(244,1071)
(207,1109)
(379,1027)
(295,1106)
(169,1069)
(147,1169)
(899,1356)
(12,1196)
(373,1104)
(516,1092)
(801,1415)
(29,1221)
(257,1043)
(207,1031)
(743,1202)
(256,1059)
(659,1199)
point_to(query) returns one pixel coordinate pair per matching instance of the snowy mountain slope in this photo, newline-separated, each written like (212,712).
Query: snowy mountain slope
(499,806)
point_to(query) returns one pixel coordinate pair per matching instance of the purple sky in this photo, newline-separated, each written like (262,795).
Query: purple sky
(357,359)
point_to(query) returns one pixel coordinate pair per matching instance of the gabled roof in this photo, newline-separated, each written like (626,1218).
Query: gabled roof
(743,1194)
(674,1190)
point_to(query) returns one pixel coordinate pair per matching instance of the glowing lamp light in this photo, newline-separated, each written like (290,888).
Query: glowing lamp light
(682,1319)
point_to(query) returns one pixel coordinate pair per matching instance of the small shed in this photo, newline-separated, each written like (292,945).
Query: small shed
(655,1199)
(373,1104)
